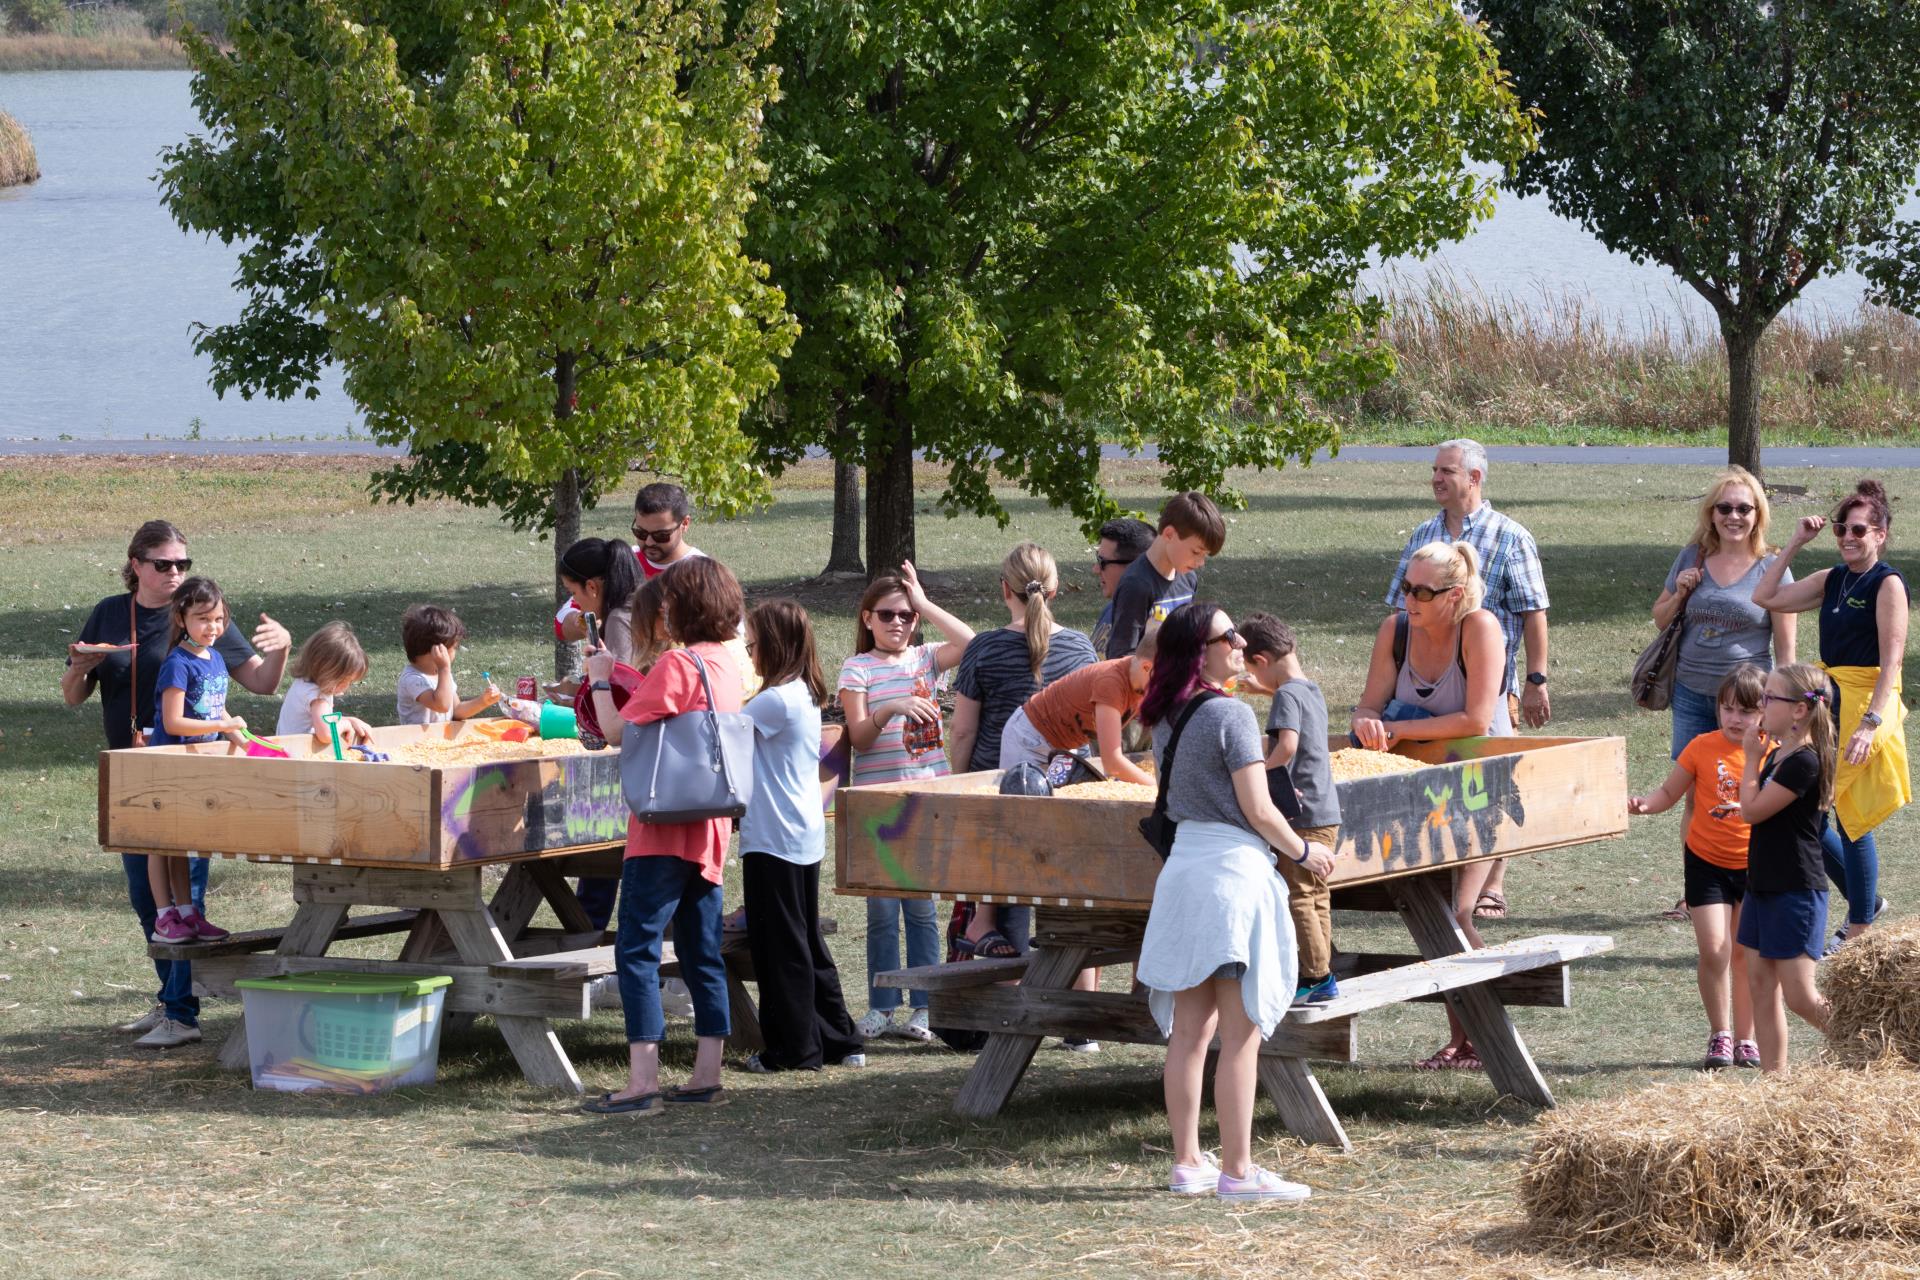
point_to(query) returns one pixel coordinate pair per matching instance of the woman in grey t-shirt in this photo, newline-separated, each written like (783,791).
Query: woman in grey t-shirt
(1219,947)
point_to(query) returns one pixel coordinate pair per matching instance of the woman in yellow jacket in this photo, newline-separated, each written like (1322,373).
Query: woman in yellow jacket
(1863,639)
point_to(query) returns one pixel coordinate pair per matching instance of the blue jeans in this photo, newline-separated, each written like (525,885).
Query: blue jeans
(176,976)
(597,894)
(1854,865)
(883,945)
(1693,715)
(654,891)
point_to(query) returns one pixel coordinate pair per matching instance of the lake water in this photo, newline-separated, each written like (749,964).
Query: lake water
(99,289)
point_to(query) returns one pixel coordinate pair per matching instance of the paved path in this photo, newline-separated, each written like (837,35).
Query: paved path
(1853,459)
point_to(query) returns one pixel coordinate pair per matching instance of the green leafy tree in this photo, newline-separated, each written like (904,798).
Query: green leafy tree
(1748,147)
(514,226)
(1012,227)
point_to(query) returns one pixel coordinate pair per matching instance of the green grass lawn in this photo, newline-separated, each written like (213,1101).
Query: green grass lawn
(124,1163)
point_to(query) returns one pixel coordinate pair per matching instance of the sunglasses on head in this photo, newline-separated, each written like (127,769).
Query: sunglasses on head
(895,615)
(1230,636)
(1857,529)
(168,566)
(1734,508)
(1102,563)
(1424,595)
(659,537)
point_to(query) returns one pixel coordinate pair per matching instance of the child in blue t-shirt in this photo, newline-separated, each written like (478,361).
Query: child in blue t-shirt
(190,694)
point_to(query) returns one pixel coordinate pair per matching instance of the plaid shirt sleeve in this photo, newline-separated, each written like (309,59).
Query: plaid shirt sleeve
(1525,587)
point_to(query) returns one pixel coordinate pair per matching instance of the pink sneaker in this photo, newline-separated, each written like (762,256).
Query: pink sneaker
(205,930)
(1196,1179)
(170,927)
(1260,1185)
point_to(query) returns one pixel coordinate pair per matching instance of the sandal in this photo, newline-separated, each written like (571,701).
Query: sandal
(995,945)
(1677,912)
(1490,906)
(644,1104)
(1451,1059)
(712,1095)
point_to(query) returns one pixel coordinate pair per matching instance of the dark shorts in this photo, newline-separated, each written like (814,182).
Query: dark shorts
(1785,926)
(1708,885)
(1231,971)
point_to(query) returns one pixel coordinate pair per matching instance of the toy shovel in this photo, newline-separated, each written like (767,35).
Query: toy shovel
(260,747)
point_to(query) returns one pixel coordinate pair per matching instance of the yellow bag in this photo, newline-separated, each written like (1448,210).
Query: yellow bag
(1868,793)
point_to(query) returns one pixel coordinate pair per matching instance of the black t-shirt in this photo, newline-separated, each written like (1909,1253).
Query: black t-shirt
(1142,596)
(107,624)
(1849,614)
(1783,853)
(995,673)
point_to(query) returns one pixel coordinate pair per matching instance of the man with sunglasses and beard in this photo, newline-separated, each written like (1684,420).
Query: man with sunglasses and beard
(1516,594)
(661,517)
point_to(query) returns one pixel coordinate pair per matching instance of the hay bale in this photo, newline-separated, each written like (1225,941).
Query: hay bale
(1733,1169)
(1873,986)
(17,161)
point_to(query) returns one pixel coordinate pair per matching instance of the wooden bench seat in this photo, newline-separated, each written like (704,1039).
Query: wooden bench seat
(269,939)
(1432,979)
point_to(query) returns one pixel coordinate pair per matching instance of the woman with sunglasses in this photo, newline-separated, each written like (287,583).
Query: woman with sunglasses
(1863,641)
(1436,673)
(119,650)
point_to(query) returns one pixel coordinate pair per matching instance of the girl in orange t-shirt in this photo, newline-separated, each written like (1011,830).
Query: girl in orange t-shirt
(1707,776)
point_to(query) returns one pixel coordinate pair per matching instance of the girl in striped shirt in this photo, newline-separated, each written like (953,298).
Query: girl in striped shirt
(887,690)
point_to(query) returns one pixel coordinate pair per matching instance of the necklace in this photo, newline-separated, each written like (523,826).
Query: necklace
(1847,582)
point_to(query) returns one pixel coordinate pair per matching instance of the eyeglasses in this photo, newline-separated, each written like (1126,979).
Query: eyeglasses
(1229,636)
(1424,595)
(1795,701)
(1101,563)
(168,566)
(1734,508)
(1856,529)
(659,537)
(895,615)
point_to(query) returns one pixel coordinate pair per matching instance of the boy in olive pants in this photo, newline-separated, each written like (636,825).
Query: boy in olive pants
(1297,739)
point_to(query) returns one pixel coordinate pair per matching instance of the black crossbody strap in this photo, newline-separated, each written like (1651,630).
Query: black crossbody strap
(1173,742)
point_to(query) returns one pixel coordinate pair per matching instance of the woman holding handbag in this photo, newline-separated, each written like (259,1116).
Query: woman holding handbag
(672,869)
(1712,582)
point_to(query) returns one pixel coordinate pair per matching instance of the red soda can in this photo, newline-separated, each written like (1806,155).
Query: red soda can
(527,687)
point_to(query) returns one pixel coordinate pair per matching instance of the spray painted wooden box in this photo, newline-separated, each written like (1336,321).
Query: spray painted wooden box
(1478,798)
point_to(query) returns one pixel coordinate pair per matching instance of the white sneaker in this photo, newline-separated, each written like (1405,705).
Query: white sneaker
(168,1034)
(145,1022)
(1260,1185)
(675,1000)
(914,1028)
(1079,1044)
(854,1060)
(877,1023)
(1196,1179)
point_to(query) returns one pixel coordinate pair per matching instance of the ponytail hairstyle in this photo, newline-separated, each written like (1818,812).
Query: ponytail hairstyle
(194,594)
(1030,575)
(154,533)
(1872,495)
(1808,683)
(608,560)
(781,634)
(332,656)
(1458,565)
(1180,645)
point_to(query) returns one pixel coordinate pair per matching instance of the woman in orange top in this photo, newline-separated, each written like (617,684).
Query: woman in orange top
(672,869)
(1715,857)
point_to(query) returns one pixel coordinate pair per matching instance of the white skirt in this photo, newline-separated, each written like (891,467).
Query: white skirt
(1219,901)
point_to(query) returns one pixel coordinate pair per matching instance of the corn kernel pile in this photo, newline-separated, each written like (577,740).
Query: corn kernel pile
(1112,789)
(476,750)
(1357,762)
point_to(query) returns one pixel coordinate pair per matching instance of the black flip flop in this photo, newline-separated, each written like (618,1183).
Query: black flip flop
(642,1104)
(995,945)
(712,1096)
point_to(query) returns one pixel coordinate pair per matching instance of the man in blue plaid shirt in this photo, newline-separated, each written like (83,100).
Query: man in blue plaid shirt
(1509,566)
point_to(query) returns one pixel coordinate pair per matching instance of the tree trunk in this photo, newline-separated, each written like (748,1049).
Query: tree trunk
(890,491)
(844,556)
(566,502)
(1743,397)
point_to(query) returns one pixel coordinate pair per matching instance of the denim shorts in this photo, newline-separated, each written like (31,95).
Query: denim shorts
(1785,926)
(1231,971)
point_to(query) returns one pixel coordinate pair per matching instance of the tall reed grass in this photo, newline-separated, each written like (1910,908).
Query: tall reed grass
(1468,359)
(17,162)
(104,38)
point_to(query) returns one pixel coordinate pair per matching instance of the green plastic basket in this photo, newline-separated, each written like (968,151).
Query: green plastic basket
(363,1022)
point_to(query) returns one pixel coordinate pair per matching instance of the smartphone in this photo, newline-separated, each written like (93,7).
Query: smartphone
(593,631)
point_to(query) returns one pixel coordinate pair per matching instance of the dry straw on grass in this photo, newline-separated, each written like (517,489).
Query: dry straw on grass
(17,162)
(1873,986)
(1734,1169)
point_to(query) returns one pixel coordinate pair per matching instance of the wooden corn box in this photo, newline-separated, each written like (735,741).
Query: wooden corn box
(209,798)
(1479,798)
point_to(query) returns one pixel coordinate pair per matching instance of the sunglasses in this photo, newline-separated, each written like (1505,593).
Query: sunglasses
(1101,563)
(1734,508)
(1424,595)
(1230,636)
(1839,530)
(168,566)
(659,537)
(895,615)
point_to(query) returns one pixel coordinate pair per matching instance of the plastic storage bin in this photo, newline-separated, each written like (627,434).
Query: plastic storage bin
(342,1032)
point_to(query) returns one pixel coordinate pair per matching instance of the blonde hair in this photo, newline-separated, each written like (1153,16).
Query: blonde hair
(1809,684)
(1458,565)
(1030,575)
(1706,536)
(332,656)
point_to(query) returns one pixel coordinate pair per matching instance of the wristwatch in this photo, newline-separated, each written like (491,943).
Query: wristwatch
(1536,677)
(1871,719)
(599,686)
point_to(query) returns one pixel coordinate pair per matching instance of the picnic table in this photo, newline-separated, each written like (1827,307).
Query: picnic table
(1089,875)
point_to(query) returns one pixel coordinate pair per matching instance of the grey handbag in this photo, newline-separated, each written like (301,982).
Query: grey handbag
(1651,683)
(689,767)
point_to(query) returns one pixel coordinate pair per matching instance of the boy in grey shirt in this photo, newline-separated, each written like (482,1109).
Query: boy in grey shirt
(1297,741)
